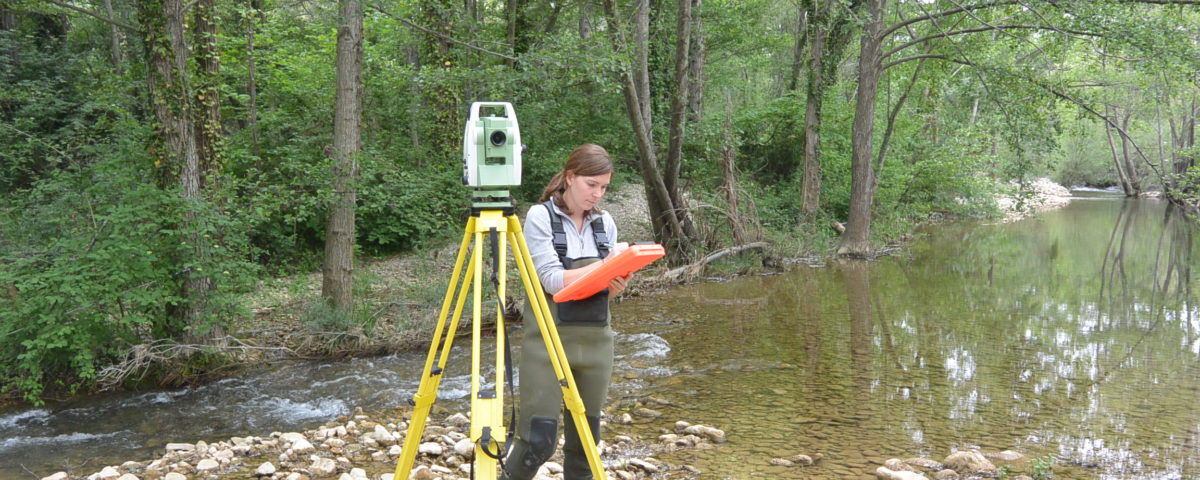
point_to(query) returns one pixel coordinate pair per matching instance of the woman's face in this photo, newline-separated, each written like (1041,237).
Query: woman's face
(583,193)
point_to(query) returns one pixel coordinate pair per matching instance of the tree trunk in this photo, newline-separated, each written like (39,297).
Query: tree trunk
(828,24)
(8,23)
(696,56)
(170,90)
(1131,170)
(729,174)
(585,20)
(1112,148)
(255,15)
(857,239)
(810,190)
(440,97)
(510,17)
(208,100)
(114,34)
(679,103)
(641,70)
(338,269)
(806,11)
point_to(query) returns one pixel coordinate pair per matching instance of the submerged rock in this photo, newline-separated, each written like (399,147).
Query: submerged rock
(970,462)
(884,473)
(1005,456)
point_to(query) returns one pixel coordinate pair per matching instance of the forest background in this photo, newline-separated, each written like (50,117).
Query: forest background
(161,160)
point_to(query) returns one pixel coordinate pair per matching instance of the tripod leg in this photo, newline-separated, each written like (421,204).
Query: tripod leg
(558,357)
(442,341)
(487,406)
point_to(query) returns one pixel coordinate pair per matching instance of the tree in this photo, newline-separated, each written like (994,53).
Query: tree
(670,219)
(171,99)
(856,241)
(830,26)
(338,268)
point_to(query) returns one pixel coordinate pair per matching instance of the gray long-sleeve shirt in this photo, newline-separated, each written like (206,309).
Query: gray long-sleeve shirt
(540,238)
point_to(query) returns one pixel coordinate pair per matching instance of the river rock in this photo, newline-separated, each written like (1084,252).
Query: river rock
(395,450)
(643,465)
(432,449)
(174,476)
(802,460)
(265,470)
(946,474)
(383,436)
(782,462)
(358,474)
(299,443)
(898,465)
(128,476)
(1005,456)
(924,463)
(108,473)
(458,420)
(681,425)
(322,467)
(884,473)
(646,412)
(465,448)
(207,464)
(714,434)
(970,462)
(57,476)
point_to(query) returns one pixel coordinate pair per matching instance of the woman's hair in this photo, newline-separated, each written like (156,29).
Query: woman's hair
(588,160)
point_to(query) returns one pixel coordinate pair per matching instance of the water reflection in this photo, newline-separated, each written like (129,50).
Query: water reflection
(1073,334)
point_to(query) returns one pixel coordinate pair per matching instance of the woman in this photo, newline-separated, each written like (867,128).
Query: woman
(567,237)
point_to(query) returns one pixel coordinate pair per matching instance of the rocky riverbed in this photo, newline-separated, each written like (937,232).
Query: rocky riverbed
(360,447)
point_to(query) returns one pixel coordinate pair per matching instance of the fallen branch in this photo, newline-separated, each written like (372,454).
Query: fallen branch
(693,270)
(141,357)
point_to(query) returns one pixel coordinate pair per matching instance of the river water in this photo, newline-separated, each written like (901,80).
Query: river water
(1073,334)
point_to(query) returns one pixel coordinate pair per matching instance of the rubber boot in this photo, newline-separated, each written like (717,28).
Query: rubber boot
(575,462)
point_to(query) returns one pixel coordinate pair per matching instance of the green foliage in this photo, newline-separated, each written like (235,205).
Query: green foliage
(92,267)
(402,210)
(1042,468)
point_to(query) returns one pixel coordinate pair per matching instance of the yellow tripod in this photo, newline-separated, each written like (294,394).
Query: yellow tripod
(487,415)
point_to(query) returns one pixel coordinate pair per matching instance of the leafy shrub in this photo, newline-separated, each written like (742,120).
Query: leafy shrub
(93,265)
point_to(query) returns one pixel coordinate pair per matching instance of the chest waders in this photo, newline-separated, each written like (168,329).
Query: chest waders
(583,326)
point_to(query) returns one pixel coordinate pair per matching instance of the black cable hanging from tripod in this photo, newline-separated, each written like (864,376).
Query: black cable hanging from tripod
(485,439)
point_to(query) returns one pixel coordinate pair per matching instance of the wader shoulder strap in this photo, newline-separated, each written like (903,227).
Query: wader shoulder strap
(560,235)
(600,236)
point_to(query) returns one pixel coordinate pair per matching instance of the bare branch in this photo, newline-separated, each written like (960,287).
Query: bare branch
(427,31)
(927,55)
(981,29)
(92,14)
(945,13)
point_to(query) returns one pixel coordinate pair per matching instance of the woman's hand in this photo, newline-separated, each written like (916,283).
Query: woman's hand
(617,285)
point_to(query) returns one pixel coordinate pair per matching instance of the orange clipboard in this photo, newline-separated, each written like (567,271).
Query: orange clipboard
(631,260)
